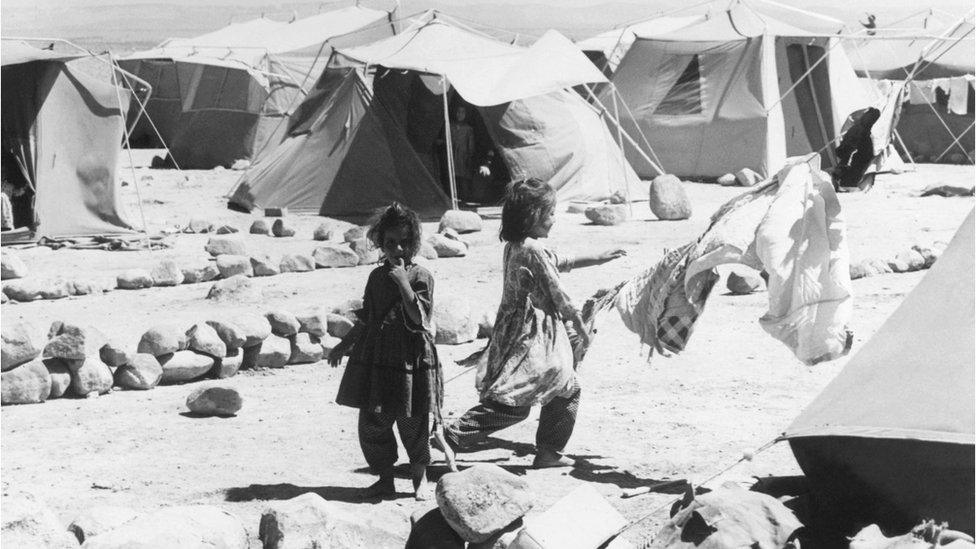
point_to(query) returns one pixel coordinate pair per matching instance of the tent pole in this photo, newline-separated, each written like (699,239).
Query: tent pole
(904,149)
(128,149)
(623,160)
(637,127)
(448,145)
(629,138)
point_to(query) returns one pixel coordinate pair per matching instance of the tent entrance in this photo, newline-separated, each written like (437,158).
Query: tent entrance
(813,97)
(473,149)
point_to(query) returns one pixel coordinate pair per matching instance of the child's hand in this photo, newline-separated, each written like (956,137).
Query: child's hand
(335,356)
(399,273)
(610,255)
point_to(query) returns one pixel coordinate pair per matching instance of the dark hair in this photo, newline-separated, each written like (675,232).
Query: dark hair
(393,216)
(526,202)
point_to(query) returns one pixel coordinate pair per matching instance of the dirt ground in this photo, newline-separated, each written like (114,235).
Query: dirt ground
(688,416)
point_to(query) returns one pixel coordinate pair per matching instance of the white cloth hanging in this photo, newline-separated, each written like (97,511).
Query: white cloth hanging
(958,94)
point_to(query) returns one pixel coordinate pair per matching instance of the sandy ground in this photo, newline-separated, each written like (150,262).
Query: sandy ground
(687,416)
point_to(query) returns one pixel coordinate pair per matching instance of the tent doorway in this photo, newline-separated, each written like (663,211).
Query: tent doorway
(474,154)
(813,98)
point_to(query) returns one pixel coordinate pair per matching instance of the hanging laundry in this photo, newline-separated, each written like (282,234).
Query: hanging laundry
(921,92)
(958,94)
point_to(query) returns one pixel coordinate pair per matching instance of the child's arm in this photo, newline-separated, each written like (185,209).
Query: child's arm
(340,350)
(411,305)
(589,260)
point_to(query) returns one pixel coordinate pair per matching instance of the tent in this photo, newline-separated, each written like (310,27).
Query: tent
(62,131)
(890,440)
(397,119)
(736,90)
(222,96)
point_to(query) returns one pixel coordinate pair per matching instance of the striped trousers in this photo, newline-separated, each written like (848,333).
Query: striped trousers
(379,444)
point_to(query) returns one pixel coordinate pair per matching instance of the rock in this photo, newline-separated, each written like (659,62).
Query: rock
(235,288)
(114,354)
(225,245)
(233,265)
(907,261)
(618,197)
(142,372)
(29,523)
(229,333)
(455,320)
(227,366)
(296,263)
(184,366)
(747,178)
(315,323)
(275,212)
(481,500)
(303,351)
(162,340)
(28,383)
(181,526)
(486,323)
(202,338)
(255,328)
(99,520)
(60,377)
(447,247)
(743,283)
(12,266)
(727,180)
(668,199)
(214,401)
(334,255)
(608,214)
(167,273)
(275,352)
(227,229)
(354,233)
(260,226)
(348,309)
(282,323)
(427,250)
(19,344)
(928,253)
(56,289)
(72,342)
(90,375)
(23,290)
(450,233)
(368,254)
(264,265)
(869,267)
(579,207)
(338,325)
(281,228)
(198,226)
(325,231)
(134,279)
(429,530)
(461,221)
(84,287)
(310,521)
(200,272)
(329,343)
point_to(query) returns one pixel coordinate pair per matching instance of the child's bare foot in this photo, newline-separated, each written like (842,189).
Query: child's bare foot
(422,490)
(381,488)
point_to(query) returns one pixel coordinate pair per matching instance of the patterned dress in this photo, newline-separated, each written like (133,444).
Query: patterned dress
(530,357)
(393,367)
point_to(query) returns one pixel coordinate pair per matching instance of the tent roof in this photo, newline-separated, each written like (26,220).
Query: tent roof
(914,379)
(16,52)
(606,41)
(948,51)
(483,70)
(739,22)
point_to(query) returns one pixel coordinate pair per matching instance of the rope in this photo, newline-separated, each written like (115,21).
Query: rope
(128,150)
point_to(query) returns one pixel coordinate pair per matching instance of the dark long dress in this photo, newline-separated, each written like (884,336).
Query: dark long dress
(393,367)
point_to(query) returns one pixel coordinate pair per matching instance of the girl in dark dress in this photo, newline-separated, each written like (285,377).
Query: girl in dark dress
(393,375)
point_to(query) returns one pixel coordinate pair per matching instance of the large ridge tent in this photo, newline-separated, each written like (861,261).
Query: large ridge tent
(342,158)
(223,96)
(62,131)
(738,89)
(890,440)
(934,52)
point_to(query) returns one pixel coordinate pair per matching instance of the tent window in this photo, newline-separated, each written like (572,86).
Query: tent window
(685,96)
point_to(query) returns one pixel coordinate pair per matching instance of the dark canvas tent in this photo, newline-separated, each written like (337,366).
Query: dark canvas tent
(222,96)
(890,440)
(61,134)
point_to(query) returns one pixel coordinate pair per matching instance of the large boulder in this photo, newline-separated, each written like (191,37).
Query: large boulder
(53,289)
(184,366)
(90,375)
(167,273)
(608,214)
(255,328)
(333,255)
(461,221)
(446,246)
(142,372)
(99,519)
(367,252)
(233,265)
(727,180)
(747,178)
(338,325)
(12,266)
(481,500)
(265,265)
(743,283)
(282,323)
(303,350)
(227,366)
(182,526)
(201,271)
(82,286)
(314,323)
(25,289)
(73,342)
(275,352)
(455,320)
(225,245)
(28,383)
(60,374)
(310,521)
(114,354)
(202,338)
(235,288)
(354,233)
(230,333)
(296,263)
(214,401)
(427,250)
(162,340)
(282,227)
(20,344)
(260,226)
(134,279)
(29,523)
(668,199)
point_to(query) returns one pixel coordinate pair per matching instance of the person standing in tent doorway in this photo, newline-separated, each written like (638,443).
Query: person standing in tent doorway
(538,338)
(462,144)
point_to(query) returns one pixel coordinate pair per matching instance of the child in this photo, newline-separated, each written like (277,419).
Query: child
(531,359)
(393,374)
